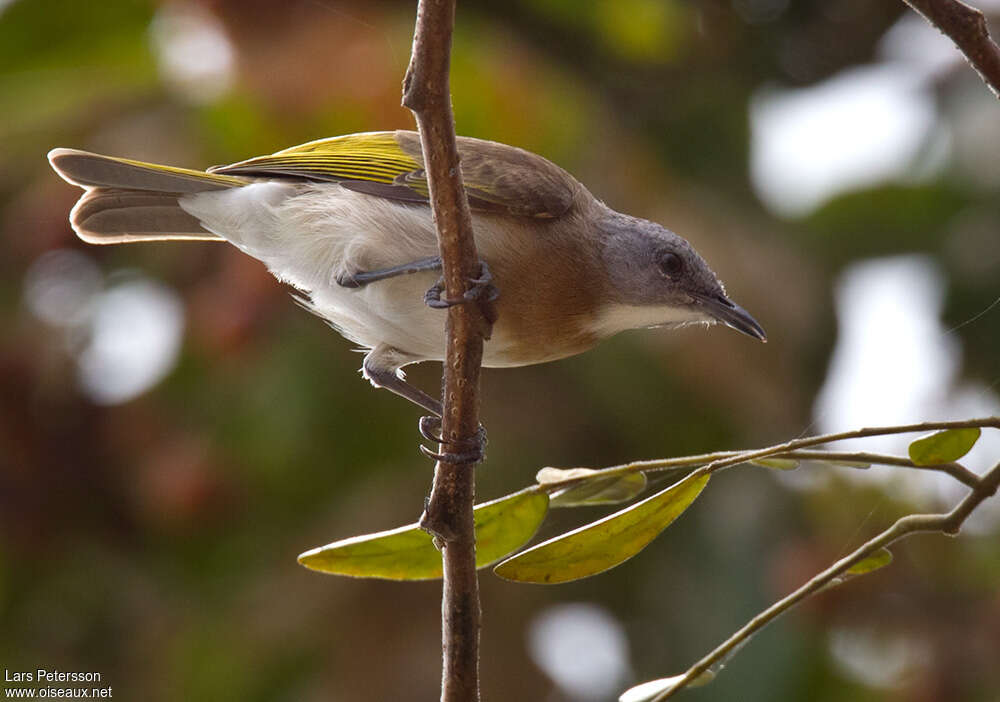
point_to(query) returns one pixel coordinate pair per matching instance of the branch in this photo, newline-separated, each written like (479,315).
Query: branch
(981,488)
(966,26)
(949,523)
(448,512)
(719,460)
(795,444)
(955,470)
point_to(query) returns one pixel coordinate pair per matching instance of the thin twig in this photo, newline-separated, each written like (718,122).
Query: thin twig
(955,470)
(949,523)
(448,512)
(792,449)
(966,26)
(795,444)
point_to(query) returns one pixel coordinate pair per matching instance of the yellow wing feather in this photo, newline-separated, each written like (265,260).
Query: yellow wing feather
(371,156)
(498,178)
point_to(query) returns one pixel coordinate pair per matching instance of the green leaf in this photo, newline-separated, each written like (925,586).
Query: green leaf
(649,690)
(777,463)
(603,544)
(943,446)
(869,564)
(879,559)
(408,553)
(602,490)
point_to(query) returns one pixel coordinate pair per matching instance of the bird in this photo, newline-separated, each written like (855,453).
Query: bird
(346,221)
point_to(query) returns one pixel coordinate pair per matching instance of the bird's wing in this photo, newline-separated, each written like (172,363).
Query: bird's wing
(498,178)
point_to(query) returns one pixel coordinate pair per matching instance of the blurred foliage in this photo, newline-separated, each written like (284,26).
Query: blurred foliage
(155,540)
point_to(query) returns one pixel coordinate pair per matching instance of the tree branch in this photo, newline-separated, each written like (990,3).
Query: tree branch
(966,26)
(955,470)
(981,488)
(448,512)
(719,460)
(796,444)
(948,523)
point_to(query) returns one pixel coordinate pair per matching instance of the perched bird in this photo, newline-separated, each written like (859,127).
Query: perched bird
(346,221)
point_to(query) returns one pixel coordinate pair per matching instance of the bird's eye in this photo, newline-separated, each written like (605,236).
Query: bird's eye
(671,265)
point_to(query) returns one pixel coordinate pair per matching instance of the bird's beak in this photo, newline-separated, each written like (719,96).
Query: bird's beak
(732,315)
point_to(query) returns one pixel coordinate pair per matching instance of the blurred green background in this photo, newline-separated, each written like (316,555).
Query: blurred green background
(174,430)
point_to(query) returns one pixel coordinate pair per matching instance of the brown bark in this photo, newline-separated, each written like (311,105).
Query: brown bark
(448,513)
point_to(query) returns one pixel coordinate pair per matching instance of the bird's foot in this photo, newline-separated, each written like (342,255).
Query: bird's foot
(468,450)
(481,291)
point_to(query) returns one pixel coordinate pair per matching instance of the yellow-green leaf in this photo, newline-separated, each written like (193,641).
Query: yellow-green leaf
(943,446)
(879,559)
(596,547)
(869,564)
(600,490)
(776,463)
(649,690)
(408,553)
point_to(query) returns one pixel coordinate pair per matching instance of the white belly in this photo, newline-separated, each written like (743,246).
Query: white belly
(307,235)
(386,312)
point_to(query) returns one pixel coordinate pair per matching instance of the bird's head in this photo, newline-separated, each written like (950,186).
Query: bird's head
(656,278)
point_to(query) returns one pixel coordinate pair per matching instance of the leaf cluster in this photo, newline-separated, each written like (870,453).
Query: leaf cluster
(504,526)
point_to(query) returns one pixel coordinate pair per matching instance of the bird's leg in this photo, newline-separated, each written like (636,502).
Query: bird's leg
(482,289)
(380,366)
(482,292)
(362,278)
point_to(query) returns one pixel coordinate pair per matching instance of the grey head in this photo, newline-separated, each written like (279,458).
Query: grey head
(656,278)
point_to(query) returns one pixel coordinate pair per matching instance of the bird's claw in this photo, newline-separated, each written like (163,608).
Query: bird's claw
(469,450)
(430,428)
(481,290)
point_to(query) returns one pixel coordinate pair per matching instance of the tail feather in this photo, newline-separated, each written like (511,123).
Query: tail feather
(94,171)
(116,216)
(130,201)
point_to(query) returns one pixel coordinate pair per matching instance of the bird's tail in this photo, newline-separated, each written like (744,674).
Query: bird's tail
(128,201)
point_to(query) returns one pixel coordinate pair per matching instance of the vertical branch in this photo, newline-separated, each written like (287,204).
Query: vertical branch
(448,513)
